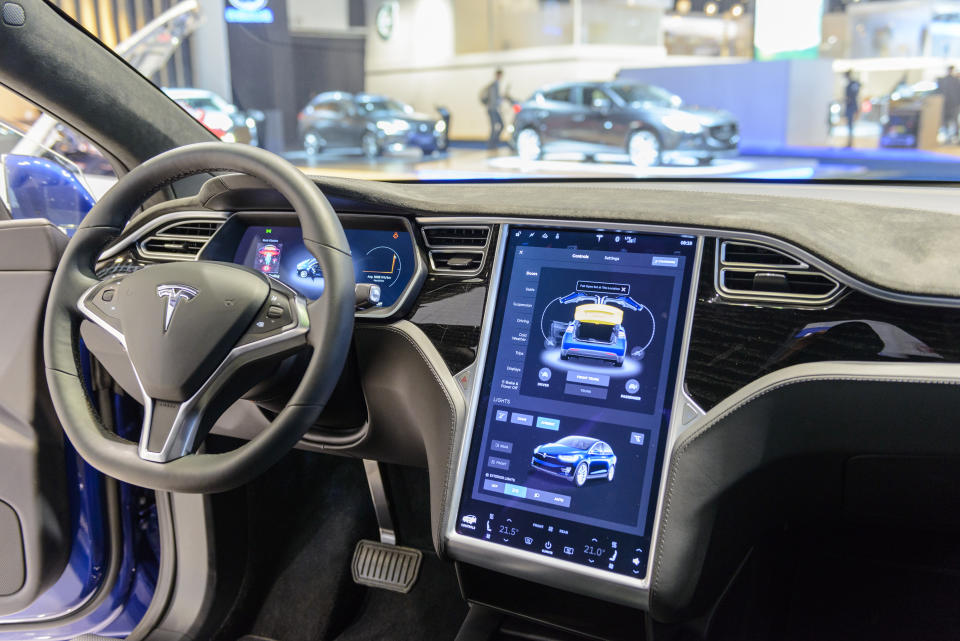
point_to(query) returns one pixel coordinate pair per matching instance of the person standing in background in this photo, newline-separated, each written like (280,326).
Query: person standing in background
(490,97)
(851,99)
(949,88)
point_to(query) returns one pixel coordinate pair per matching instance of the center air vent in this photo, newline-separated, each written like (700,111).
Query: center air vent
(456,236)
(752,272)
(181,240)
(457,249)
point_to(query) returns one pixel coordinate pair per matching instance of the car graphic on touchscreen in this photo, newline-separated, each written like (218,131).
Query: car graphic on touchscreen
(308,268)
(575,458)
(596,332)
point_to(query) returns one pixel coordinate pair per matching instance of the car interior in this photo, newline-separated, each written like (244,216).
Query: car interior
(241,403)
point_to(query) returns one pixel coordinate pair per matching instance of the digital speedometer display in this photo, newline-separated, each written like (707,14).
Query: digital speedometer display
(382,255)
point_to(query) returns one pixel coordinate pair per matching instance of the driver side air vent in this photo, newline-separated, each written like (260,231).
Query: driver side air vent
(755,273)
(182,240)
(457,249)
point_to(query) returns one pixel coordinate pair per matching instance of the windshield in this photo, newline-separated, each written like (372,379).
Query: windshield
(556,89)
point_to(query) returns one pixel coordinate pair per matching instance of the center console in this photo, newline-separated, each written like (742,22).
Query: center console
(563,453)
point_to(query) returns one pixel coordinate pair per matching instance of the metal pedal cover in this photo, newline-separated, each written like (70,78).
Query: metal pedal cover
(390,567)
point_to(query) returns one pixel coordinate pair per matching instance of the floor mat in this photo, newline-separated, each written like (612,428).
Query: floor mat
(306,516)
(433,609)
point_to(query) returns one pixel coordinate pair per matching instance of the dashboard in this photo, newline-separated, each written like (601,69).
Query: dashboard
(582,391)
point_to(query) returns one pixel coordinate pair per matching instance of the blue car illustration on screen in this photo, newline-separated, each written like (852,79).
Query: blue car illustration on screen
(596,333)
(308,268)
(575,458)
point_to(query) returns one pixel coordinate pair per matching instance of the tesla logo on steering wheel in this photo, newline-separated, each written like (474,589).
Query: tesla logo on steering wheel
(174,294)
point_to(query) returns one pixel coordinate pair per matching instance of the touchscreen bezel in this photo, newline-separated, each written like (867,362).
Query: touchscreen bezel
(223,247)
(531,565)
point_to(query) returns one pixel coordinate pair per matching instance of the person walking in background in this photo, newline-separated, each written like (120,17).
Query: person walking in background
(949,88)
(851,98)
(490,97)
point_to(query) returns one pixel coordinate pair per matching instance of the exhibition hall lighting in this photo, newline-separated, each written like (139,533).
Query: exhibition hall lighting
(683,6)
(736,10)
(710,9)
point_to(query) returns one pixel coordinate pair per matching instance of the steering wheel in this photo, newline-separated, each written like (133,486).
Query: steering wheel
(197,334)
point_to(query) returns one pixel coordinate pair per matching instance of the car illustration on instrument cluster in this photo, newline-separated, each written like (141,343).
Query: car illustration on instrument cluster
(575,458)
(268,258)
(309,268)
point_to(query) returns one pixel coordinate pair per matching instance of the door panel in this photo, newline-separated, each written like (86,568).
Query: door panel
(32,469)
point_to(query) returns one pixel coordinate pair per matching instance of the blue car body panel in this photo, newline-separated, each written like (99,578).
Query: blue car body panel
(86,569)
(40,188)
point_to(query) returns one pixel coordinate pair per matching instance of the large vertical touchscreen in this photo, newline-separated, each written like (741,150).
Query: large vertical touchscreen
(571,426)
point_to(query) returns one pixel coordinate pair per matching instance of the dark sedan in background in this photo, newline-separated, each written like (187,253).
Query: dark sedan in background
(373,124)
(649,124)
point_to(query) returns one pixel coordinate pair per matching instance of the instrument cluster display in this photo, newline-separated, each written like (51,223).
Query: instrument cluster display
(382,255)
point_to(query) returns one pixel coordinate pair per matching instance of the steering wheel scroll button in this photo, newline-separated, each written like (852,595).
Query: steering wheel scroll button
(274,318)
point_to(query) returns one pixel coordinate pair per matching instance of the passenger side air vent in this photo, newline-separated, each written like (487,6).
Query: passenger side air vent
(182,240)
(737,253)
(459,249)
(751,272)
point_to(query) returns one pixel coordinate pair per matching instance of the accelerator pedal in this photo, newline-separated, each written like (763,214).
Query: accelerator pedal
(390,567)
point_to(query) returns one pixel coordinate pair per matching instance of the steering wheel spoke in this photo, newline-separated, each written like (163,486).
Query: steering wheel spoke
(172,430)
(100,304)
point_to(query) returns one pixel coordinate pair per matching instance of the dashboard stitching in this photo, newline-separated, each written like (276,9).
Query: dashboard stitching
(452,433)
(675,458)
